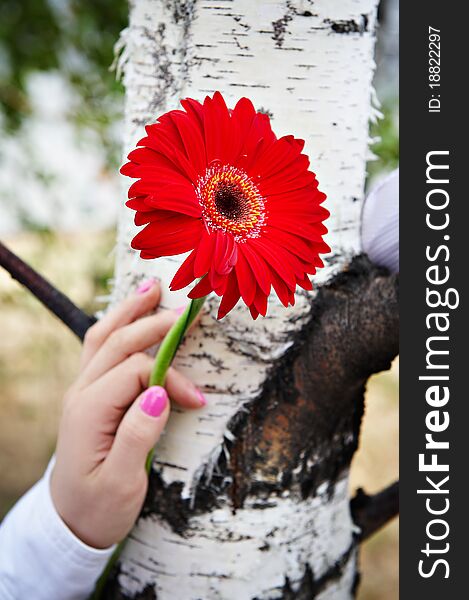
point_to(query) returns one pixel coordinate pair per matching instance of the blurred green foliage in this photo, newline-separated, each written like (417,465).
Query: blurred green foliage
(74,37)
(386,148)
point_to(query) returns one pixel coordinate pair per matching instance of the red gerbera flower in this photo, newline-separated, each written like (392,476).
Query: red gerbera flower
(219,183)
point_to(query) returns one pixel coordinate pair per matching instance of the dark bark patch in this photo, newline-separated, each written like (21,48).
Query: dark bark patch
(113,591)
(310,586)
(309,412)
(349,26)
(166,502)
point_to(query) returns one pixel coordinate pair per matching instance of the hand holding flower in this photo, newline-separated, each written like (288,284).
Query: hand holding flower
(110,423)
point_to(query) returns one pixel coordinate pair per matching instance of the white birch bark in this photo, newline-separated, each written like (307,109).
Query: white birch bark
(309,65)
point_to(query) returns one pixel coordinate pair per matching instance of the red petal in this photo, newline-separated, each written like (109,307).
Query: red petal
(192,140)
(304,209)
(146,255)
(246,280)
(294,226)
(216,279)
(309,194)
(161,139)
(230,297)
(293,177)
(225,253)
(168,237)
(203,288)
(280,288)
(204,256)
(243,115)
(185,274)
(294,263)
(276,258)
(254,312)
(217,128)
(246,160)
(260,301)
(166,127)
(300,144)
(220,288)
(194,109)
(138,203)
(152,178)
(305,283)
(275,158)
(177,199)
(294,244)
(147,156)
(260,129)
(258,266)
(144,217)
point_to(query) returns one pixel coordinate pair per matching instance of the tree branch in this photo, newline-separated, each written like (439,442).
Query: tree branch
(370,513)
(304,427)
(62,307)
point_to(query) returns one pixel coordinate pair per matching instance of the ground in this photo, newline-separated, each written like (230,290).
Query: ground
(39,357)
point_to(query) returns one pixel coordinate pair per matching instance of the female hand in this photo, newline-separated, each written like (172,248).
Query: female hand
(99,481)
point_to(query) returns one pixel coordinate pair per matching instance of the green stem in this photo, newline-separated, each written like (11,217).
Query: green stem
(99,587)
(169,346)
(163,359)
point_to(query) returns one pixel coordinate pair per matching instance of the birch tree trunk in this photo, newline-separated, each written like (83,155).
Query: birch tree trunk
(248,497)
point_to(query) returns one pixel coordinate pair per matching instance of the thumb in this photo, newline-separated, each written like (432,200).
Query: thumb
(139,430)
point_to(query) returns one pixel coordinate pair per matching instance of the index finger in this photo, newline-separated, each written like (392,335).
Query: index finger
(146,297)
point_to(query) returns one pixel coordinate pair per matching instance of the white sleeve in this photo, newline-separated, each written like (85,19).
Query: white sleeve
(380,223)
(40,557)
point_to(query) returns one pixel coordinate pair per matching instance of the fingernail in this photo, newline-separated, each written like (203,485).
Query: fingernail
(145,286)
(180,310)
(201,398)
(154,401)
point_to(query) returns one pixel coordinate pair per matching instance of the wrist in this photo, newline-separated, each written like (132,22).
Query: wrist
(75,517)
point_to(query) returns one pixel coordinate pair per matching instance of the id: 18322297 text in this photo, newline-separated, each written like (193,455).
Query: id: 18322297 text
(434,70)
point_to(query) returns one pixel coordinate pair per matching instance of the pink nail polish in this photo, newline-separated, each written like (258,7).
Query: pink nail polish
(180,310)
(154,401)
(145,286)
(201,397)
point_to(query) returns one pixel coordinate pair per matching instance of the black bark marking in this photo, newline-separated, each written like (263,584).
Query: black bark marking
(240,22)
(238,43)
(280,29)
(181,11)
(167,81)
(166,502)
(349,26)
(310,586)
(280,26)
(266,111)
(113,590)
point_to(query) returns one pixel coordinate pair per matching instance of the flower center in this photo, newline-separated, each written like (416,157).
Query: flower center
(231,202)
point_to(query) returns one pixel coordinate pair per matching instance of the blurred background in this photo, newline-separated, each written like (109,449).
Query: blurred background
(61,110)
